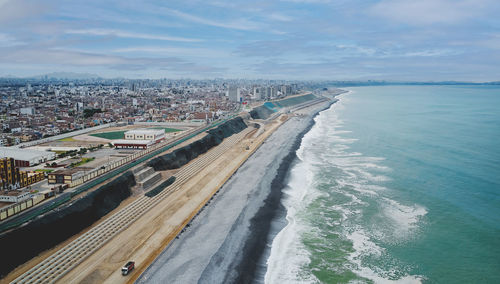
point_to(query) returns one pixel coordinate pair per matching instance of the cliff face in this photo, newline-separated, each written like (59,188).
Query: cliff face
(26,242)
(261,112)
(183,155)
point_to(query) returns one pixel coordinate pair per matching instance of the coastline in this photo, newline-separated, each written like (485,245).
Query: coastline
(270,219)
(227,240)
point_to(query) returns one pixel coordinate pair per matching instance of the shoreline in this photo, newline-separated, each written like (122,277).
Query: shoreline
(270,219)
(220,243)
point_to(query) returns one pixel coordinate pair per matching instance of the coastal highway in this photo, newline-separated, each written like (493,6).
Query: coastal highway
(65,259)
(69,194)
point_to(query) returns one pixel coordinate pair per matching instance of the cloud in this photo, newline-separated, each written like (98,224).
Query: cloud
(341,38)
(280,17)
(124,34)
(7,40)
(431,53)
(428,12)
(12,10)
(178,51)
(300,46)
(60,57)
(267,48)
(308,1)
(356,49)
(242,24)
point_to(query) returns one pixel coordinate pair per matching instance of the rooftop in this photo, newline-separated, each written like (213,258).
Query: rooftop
(71,171)
(23,154)
(132,142)
(146,131)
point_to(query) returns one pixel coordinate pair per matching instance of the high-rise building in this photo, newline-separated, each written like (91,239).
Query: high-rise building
(286,90)
(257,93)
(271,93)
(234,94)
(79,106)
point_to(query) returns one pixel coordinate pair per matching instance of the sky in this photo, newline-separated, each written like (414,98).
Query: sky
(399,40)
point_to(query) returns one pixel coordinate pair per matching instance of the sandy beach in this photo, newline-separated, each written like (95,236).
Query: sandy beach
(225,242)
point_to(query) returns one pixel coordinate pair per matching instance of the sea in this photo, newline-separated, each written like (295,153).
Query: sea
(395,184)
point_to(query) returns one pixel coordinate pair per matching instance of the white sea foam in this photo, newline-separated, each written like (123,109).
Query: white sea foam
(325,150)
(363,246)
(405,219)
(288,255)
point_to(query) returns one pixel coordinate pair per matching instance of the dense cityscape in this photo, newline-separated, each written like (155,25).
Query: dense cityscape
(45,108)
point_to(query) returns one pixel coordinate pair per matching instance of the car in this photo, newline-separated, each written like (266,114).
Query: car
(128,267)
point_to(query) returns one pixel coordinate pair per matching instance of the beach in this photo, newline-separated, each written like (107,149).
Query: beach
(228,239)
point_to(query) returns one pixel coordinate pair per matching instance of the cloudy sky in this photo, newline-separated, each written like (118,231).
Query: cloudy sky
(288,39)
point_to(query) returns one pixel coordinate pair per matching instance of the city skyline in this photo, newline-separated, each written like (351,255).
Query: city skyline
(295,39)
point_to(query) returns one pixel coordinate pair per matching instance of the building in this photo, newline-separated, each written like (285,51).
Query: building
(140,138)
(202,117)
(145,134)
(67,176)
(234,94)
(9,174)
(27,111)
(132,144)
(286,90)
(12,178)
(14,196)
(26,157)
(271,93)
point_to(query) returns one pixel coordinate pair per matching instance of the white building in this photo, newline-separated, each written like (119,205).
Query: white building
(271,93)
(145,134)
(79,106)
(26,157)
(257,93)
(14,196)
(234,94)
(27,111)
(140,138)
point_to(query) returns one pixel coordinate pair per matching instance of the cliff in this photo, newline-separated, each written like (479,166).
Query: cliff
(182,156)
(26,242)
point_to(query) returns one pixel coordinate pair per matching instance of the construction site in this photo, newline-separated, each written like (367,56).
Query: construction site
(136,209)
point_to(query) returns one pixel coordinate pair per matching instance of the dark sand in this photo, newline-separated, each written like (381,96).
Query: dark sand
(228,241)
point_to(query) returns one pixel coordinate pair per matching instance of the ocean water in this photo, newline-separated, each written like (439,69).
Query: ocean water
(395,184)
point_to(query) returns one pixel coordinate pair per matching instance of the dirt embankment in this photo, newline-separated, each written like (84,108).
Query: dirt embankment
(261,112)
(26,242)
(182,156)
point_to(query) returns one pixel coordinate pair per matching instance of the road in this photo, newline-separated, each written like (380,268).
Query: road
(63,198)
(63,261)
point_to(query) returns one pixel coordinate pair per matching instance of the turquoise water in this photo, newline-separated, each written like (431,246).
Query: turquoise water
(396,183)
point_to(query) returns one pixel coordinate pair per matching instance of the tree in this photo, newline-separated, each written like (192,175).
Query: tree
(89,112)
